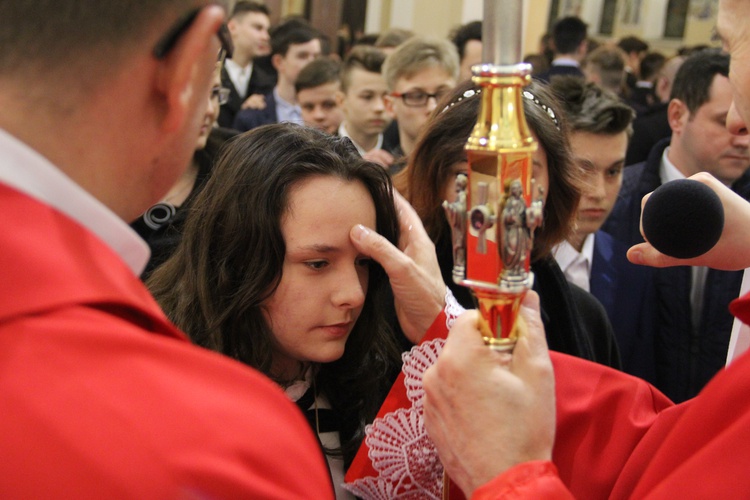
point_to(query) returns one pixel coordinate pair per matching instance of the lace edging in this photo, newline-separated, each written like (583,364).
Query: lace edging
(400,450)
(452,309)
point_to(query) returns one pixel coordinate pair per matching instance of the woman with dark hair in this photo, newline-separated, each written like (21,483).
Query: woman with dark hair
(161,225)
(266,273)
(575,322)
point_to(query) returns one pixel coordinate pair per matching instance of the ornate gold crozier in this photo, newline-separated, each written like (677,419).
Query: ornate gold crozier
(497,208)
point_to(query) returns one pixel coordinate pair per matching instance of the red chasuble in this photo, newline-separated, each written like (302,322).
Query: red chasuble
(102,397)
(618,437)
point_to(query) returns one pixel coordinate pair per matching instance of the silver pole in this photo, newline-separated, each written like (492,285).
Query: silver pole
(502,32)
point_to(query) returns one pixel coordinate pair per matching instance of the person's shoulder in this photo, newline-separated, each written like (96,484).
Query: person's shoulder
(161,400)
(633,172)
(589,306)
(262,80)
(597,326)
(615,253)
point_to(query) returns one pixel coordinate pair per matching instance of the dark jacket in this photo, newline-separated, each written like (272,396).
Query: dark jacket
(559,70)
(248,119)
(686,358)
(628,295)
(164,235)
(648,129)
(261,82)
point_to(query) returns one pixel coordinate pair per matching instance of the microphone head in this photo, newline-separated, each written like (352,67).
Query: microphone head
(683,219)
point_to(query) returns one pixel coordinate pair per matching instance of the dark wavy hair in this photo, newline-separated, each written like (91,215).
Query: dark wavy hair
(231,257)
(591,108)
(441,145)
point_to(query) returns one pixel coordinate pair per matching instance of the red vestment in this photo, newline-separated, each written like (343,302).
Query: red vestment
(618,437)
(102,397)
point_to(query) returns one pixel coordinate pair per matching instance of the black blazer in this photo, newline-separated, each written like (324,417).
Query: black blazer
(248,119)
(261,82)
(559,70)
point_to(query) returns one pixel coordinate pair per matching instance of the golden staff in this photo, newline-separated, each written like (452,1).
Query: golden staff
(494,217)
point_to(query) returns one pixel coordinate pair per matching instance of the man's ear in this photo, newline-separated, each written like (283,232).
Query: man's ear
(340,97)
(677,115)
(232,27)
(187,68)
(276,61)
(388,102)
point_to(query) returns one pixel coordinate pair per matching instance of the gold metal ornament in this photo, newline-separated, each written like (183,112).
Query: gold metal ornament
(497,207)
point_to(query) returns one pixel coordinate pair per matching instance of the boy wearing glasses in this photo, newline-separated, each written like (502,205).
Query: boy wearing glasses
(418,73)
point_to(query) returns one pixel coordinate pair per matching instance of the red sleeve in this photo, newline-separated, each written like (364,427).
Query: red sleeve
(528,480)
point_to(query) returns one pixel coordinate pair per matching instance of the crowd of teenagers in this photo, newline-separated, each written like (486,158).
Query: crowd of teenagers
(248,294)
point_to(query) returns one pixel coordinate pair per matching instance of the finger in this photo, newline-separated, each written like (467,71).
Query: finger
(531,348)
(644,254)
(465,330)
(640,221)
(535,338)
(408,218)
(379,248)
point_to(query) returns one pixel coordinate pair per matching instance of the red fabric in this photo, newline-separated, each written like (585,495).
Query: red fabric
(527,480)
(617,437)
(103,398)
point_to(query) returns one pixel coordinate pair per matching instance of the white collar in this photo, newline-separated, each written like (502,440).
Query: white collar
(567,256)
(362,152)
(667,170)
(26,170)
(566,61)
(235,69)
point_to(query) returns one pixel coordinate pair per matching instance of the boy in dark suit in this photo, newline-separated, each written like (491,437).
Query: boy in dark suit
(248,25)
(600,125)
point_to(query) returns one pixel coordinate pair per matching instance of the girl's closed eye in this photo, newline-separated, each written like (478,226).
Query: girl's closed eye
(316,264)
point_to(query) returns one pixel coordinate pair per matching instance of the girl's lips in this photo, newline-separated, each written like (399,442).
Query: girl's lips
(338,330)
(593,212)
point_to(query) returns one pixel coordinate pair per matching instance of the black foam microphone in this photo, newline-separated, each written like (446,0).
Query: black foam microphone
(683,219)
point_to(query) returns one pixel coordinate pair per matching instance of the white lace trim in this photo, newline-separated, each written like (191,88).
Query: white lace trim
(400,450)
(452,309)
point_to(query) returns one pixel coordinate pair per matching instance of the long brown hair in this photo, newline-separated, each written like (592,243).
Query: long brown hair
(441,146)
(231,256)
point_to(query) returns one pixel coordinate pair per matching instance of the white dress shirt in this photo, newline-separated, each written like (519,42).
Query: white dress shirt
(239,75)
(575,265)
(344,133)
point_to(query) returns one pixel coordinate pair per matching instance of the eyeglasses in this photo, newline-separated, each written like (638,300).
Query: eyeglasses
(221,94)
(418,98)
(173,34)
